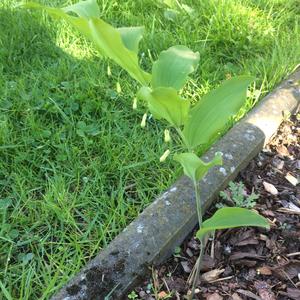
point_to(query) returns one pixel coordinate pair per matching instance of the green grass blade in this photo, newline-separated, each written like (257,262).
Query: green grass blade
(5,291)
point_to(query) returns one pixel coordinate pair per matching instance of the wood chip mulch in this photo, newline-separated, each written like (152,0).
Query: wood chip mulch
(247,263)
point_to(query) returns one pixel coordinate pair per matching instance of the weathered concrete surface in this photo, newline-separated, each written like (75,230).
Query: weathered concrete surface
(166,222)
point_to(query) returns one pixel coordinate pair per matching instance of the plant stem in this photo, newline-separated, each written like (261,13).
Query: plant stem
(198,267)
(198,203)
(199,215)
(184,141)
(199,260)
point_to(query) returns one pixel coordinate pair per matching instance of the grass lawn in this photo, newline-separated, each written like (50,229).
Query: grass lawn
(75,166)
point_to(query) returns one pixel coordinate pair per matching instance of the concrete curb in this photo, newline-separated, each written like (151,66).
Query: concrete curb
(163,225)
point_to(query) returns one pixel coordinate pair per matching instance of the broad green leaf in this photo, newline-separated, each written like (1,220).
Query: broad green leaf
(164,103)
(213,111)
(119,45)
(131,37)
(194,167)
(173,67)
(231,217)
(109,42)
(85,9)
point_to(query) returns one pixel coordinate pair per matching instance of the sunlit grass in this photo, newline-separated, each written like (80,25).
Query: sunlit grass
(75,166)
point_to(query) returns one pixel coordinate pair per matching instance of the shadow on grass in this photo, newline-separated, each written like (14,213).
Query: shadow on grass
(23,38)
(31,45)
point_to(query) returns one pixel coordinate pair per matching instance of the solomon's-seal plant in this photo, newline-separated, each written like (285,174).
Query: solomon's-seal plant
(159,91)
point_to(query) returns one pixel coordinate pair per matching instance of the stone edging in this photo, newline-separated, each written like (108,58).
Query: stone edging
(162,226)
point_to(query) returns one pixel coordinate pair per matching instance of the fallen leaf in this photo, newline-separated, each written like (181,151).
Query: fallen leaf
(251,274)
(207,263)
(235,296)
(293,293)
(264,290)
(265,270)
(271,244)
(282,150)
(270,188)
(292,206)
(288,211)
(287,271)
(189,252)
(194,244)
(240,255)
(241,236)
(185,267)
(278,163)
(268,213)
(250,241)
(214,296)
(291,179)
(142,294)
(245,262)
(248,294)
(263,237)
(178,284)
(212,275)
(162,295)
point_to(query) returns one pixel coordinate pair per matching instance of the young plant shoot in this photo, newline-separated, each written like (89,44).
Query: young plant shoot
(159,91)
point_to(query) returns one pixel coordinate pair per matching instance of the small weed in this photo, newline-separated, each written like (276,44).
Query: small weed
(238,196)
(132,295)
(284,226)
(177,251)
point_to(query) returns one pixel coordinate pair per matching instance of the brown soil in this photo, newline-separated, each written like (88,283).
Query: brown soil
(247,263)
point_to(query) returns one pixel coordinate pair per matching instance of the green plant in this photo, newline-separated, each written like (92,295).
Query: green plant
(238,196)
(132,295)
(160,93)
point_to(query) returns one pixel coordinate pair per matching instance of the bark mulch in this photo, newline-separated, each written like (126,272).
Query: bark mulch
(247,263)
